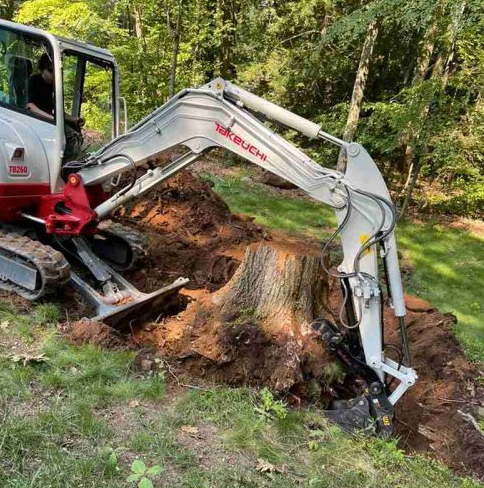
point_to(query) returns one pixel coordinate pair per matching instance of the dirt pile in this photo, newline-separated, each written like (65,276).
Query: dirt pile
(87,331)
(193,234)
(434,414)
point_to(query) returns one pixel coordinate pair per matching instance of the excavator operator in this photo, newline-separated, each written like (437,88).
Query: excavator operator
(41,102)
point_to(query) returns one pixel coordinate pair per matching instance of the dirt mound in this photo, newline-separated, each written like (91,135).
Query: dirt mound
(87,331)
(193,234)
(431,415)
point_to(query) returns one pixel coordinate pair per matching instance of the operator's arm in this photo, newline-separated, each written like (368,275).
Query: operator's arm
(36,110)
(77,122)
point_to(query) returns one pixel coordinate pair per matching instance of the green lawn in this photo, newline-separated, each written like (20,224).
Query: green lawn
(448,264)
(80,417)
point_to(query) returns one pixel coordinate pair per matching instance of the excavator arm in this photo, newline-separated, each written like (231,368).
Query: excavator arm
(220,114)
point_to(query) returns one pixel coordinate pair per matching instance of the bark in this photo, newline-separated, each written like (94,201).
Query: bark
(358,91)
(360,81)
(138,22)
(425,56)
(229,21)
(419,76)
(7,9)
(174,28)
(325,23)
(282,285)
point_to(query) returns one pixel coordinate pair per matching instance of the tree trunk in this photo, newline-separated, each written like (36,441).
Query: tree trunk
(284,286)
(138,23)
(175,33)
(358,91)
(419,76)
(439,69)
(7,9)
(229,19)
(360,81)
(425,56)
(325,23)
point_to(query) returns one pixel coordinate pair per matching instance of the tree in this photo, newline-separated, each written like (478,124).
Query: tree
(440,71)
(360,81)
(7,9)
(174,28)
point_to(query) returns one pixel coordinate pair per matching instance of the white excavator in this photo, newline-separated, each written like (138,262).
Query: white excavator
(55,204)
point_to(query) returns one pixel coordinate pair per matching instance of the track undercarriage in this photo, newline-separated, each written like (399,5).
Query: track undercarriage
(34,265)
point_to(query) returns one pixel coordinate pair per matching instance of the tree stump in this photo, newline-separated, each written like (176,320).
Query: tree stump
(283,284)
(256,330)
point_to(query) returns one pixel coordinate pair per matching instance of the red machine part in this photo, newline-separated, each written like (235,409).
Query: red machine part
(70,212)
(16,197)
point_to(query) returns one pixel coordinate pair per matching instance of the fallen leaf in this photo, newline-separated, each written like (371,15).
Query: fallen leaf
(264,466)
(190,430)
(4,325)
(134,403)
(28,358)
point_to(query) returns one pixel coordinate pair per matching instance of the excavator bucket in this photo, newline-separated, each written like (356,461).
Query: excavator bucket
(135,306)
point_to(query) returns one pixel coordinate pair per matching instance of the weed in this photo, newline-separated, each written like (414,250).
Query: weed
(270,407)
(333,372)
(142,475)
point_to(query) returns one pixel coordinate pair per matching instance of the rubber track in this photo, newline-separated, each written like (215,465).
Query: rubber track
(54,270)
(136,240)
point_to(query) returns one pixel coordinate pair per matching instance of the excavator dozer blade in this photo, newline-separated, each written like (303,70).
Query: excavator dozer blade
(138,305)
(142,307)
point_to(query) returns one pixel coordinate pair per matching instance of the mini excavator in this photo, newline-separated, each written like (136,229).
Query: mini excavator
(54,226)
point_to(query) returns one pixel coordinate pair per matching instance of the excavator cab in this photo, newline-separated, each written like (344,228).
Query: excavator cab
(44,218)
(85,87)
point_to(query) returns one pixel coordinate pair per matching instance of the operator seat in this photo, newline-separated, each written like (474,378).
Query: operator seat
(20,69)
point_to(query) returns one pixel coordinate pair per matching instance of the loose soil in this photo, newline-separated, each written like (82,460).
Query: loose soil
(193,234)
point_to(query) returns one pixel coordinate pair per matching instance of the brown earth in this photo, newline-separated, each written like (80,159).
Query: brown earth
(193,234)
(86,331)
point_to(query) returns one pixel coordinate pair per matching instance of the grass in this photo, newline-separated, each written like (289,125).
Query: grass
(294,216)
(82,415)
(447,263)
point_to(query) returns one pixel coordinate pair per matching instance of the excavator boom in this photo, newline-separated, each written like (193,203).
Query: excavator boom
(221,114)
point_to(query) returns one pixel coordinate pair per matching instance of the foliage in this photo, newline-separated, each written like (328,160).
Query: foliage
(270,407)
(141,474)
(304,55)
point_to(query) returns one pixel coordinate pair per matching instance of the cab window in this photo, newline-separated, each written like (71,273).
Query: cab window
(88,90)
(19,58)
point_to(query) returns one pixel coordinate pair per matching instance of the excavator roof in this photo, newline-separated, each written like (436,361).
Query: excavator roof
(64,44)
(84,48)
